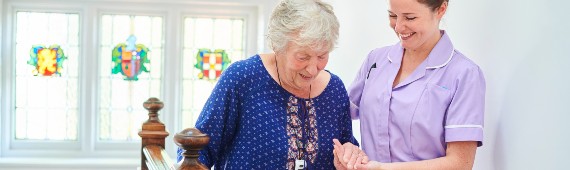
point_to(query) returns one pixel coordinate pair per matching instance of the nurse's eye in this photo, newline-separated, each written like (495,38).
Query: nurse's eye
(410,18)
(392,16)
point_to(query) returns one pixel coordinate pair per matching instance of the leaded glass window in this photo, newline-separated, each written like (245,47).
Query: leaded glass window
(47,61)
(210,64)
(47,51)
(127,81)
(211,35)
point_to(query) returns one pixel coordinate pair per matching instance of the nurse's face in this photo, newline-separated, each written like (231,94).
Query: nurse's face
(415,24)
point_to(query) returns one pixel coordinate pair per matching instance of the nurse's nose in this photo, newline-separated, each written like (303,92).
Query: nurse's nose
(400,25)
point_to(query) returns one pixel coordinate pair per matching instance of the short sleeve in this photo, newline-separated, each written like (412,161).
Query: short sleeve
(464,120)
(356,88)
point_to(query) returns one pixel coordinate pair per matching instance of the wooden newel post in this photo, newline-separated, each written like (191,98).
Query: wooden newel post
(153,131)
(192,141)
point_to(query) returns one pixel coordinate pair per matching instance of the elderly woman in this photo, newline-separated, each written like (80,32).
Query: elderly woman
(280,110)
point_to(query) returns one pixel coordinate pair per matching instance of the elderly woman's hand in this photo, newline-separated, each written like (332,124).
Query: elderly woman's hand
(337,164)
(349,156)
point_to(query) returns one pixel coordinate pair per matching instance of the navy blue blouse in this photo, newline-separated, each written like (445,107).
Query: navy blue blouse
(246,119)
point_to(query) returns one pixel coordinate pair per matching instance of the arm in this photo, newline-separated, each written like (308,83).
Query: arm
(459,155)
(346,121)
(219,118)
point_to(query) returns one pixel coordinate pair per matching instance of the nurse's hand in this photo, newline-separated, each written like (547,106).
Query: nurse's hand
(349,155)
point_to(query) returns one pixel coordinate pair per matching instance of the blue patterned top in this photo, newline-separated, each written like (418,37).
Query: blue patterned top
(246,119)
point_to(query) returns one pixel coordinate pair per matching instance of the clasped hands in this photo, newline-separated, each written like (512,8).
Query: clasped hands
(349,156)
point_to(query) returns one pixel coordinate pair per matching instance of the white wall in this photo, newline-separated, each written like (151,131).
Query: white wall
(1,21)
(522,47)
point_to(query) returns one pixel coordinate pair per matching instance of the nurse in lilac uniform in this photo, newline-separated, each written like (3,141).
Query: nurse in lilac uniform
(420,102)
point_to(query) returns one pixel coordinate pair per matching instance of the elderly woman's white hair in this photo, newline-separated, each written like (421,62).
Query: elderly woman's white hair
(310,23)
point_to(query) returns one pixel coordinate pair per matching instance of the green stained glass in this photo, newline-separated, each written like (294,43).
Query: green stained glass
(202,67)
(211,64)
(129,59)
(128,77)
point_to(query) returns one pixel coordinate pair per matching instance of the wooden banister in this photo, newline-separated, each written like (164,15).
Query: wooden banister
(153,134)
(192,141)
(157,158)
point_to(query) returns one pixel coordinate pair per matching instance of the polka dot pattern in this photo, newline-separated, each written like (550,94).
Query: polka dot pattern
(246,119)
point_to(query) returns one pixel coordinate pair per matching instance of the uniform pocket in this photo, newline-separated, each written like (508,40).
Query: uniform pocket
(426,131)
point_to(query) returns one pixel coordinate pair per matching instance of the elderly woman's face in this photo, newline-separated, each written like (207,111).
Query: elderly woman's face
(303,64)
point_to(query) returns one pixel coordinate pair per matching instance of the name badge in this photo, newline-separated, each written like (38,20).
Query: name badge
(299,164)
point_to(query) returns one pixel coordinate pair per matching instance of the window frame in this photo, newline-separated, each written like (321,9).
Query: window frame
(90,12)
(26,147)
(120,145)
(246,51)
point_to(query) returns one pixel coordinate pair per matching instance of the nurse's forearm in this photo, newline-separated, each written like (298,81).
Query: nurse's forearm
(460,155)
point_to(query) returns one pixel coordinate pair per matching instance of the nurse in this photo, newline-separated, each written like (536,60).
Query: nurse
(420,102)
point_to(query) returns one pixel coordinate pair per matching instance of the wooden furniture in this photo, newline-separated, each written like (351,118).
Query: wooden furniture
(153,134)
(192,141)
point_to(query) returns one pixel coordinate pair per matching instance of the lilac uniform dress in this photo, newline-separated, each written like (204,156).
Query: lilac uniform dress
(441,101)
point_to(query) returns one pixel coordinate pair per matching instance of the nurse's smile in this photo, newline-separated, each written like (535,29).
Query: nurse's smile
(406,36)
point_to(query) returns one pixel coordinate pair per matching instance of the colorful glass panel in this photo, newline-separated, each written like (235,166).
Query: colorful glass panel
(206,33)
(119,116)
(47,45)
(211,64)
(46,61)
(130,59)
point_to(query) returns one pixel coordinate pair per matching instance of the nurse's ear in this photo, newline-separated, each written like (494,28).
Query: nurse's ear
(440,11)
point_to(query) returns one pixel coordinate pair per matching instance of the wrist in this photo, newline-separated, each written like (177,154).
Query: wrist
(373,165)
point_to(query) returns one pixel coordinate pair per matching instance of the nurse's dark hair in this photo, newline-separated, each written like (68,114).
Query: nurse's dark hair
(433,4)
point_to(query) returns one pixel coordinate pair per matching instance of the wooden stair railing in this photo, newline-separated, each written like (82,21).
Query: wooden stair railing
(192,141)
(153,134)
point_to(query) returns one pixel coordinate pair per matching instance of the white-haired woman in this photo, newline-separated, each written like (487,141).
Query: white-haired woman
(280,110)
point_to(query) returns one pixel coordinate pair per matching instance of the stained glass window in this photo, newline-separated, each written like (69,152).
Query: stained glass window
(46,77)
(211,64)
(130,59)
(225,37)
(131,49)
(47,61)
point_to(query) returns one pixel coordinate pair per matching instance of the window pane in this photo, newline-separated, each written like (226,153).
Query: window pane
(131,57)
(211,34)
(47,50)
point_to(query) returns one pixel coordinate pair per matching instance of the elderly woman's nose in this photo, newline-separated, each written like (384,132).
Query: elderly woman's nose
(313,69)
